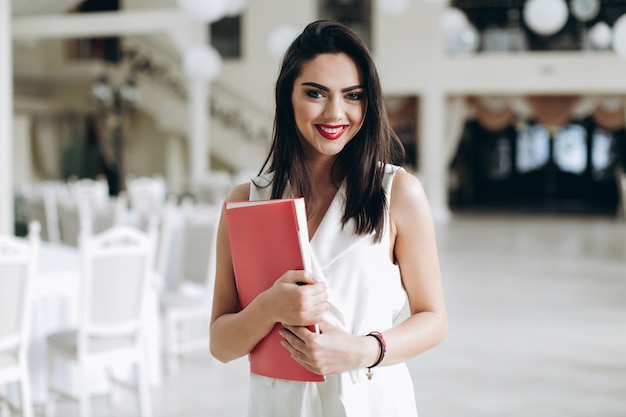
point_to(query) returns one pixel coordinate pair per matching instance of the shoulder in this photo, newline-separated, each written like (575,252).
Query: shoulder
(408,201)
(239,192)
(406,184)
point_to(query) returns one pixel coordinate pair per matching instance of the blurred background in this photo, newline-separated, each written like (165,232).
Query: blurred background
(507,104)
(512,113)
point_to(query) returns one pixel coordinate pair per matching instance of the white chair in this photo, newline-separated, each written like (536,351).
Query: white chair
(41,206)
(96,191)
(116,267)
(73,218)
(17,268)
(186,309)
(213,187)
(146,195)
(80,214)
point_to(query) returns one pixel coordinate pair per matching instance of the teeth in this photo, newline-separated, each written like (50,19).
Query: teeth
(331,130)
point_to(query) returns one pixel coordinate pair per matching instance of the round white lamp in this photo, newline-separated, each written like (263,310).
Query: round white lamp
(280,38)
(545,17)
(585,9)
(601,35)
(202,62)
(453,22)
(619,36)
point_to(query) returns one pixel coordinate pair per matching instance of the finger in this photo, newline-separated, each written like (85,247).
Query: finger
(299,277)
(298,356)
(301,335)
(291,333)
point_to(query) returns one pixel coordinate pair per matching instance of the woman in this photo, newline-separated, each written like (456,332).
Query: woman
(372,239)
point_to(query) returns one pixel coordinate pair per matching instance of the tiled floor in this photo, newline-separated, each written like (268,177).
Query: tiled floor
(537,309)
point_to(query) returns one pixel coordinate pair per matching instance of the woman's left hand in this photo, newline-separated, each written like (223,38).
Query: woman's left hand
(330,352)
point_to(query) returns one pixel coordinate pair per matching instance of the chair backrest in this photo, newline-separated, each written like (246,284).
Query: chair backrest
(73,219)
(146,194)
(213,187)
(94,190)
(40,202)
(116,268)
(109,213)
(199,237)
(168,221)
(18,259)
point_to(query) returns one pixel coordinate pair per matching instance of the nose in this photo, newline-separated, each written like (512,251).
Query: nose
(334,109)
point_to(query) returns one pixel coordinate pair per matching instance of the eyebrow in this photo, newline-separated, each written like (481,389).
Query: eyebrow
(324,88)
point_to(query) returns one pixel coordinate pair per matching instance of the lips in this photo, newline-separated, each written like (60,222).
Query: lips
(331,132)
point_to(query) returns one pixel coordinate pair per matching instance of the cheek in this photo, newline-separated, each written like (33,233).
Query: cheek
(304,115)
(357,117)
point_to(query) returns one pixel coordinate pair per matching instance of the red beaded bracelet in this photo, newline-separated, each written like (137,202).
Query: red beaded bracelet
(383,349)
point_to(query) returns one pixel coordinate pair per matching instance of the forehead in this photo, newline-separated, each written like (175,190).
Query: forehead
(331,70)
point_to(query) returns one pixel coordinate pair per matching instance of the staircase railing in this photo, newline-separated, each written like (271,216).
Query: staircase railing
(230,107)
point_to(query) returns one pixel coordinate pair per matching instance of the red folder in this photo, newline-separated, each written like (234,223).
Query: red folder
(268,238)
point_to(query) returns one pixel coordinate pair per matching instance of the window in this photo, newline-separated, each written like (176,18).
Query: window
(354,13)
(226,36)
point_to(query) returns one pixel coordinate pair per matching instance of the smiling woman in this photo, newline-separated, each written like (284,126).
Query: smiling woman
(372,243)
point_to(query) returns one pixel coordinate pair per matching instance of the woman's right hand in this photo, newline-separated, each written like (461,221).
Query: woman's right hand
(296,299)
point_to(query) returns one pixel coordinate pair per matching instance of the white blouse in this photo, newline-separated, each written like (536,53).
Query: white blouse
(365,293)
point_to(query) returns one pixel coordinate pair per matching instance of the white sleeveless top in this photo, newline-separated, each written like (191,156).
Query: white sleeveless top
(365,294)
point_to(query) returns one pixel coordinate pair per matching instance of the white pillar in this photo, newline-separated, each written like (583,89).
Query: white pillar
(197,33)
(198,109)
(433,161)
(6,119)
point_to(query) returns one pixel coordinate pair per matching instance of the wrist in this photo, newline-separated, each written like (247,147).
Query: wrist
(382,349)
(262,309)
(371,351)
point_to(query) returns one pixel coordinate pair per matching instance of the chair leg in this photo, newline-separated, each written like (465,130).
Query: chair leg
(83,391)
(49,407)
(27,402)
(114,397)
(4,407)
(171,343)
(143,389)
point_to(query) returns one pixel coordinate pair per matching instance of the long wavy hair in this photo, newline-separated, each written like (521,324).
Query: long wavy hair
(363,158)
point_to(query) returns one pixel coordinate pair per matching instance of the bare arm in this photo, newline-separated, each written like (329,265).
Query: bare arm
(415,249)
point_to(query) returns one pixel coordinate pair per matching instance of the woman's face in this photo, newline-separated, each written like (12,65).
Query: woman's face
(329,101)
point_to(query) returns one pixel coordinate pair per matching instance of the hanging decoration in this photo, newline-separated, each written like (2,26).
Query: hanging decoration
(459,34)
(453,22)
(202,62)
(619,36)
(280,38)
(545,17)
(585,10)
(601,35)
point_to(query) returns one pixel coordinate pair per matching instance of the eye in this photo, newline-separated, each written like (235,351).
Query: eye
(355,96)
(314,94)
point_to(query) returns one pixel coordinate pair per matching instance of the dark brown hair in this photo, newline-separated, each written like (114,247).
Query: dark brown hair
(363,158)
